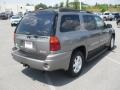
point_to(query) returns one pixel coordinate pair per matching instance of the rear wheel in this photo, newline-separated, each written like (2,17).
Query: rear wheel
(76,64)
(111,19)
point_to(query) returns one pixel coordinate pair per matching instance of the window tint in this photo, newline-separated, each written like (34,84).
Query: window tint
(70,23)
(89,22)
(38,23)
(99,22)
(106,13)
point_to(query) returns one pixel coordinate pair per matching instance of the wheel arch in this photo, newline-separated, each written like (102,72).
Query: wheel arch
(83,50)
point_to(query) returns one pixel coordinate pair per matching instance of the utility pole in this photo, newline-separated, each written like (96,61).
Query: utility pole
(67,3)
(4,3)
(80,5)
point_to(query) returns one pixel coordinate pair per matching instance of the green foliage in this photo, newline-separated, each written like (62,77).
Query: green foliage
(103,7)
(50,7)
(84,8)
(67,3)
(103,10)
(76,4)
(98,8)
(56,6)
(61,4)
(28,4)
(41,5)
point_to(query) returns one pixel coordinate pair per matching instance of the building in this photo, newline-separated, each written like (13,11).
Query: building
(16,8)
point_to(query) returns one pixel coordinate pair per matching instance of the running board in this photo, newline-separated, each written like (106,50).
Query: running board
(97,55)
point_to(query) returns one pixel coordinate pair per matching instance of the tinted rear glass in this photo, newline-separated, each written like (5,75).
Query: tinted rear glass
(39,23)
(89,22)
(70,23)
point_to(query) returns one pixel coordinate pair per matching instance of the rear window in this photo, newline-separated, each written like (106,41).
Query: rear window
(39,23)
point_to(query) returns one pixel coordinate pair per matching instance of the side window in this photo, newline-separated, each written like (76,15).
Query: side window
(70,23)
(89,22)
(100,23)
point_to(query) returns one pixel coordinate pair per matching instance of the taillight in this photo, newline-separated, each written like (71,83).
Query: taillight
(54,43)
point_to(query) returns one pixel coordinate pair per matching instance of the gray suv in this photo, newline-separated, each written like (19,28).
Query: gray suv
(61,39)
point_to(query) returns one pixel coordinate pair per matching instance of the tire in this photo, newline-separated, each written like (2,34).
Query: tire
(76,64)
(112,43)
(12,25)
(118,23)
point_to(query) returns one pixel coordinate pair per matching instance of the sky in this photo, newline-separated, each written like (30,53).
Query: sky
(53,2)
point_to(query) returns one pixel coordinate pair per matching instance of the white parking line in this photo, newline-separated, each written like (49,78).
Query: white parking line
(49,82)
(113,60)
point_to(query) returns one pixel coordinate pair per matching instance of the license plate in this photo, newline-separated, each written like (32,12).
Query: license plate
(28,45)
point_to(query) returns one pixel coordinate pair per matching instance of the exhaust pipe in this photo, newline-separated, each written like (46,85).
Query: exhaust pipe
(26,65)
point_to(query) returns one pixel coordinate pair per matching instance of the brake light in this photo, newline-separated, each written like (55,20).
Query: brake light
(54,43)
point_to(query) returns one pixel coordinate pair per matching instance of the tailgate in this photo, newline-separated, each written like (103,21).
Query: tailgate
(33,44)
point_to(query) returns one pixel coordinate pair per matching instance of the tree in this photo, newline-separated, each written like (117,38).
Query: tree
(61,4)
(76,4)
(67,3)
(41,5)
(103,10)
(28,4)
(103,7)
(50,7)
(56,6)
(96,4)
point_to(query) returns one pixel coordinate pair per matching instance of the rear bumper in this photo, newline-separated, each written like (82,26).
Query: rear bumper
(52,62)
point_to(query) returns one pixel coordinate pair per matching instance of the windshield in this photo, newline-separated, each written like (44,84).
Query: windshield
(39,23)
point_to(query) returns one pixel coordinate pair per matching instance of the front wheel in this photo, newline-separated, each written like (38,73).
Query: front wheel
(76,64)
(112,43)
(118,23)
(12,25)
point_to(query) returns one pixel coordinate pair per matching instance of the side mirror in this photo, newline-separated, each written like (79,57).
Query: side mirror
(109,26)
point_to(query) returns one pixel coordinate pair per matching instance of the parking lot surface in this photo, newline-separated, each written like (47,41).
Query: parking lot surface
(100,74)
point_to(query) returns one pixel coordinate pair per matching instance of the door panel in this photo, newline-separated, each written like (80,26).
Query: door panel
(69,34)
(104,37)
(93,40)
